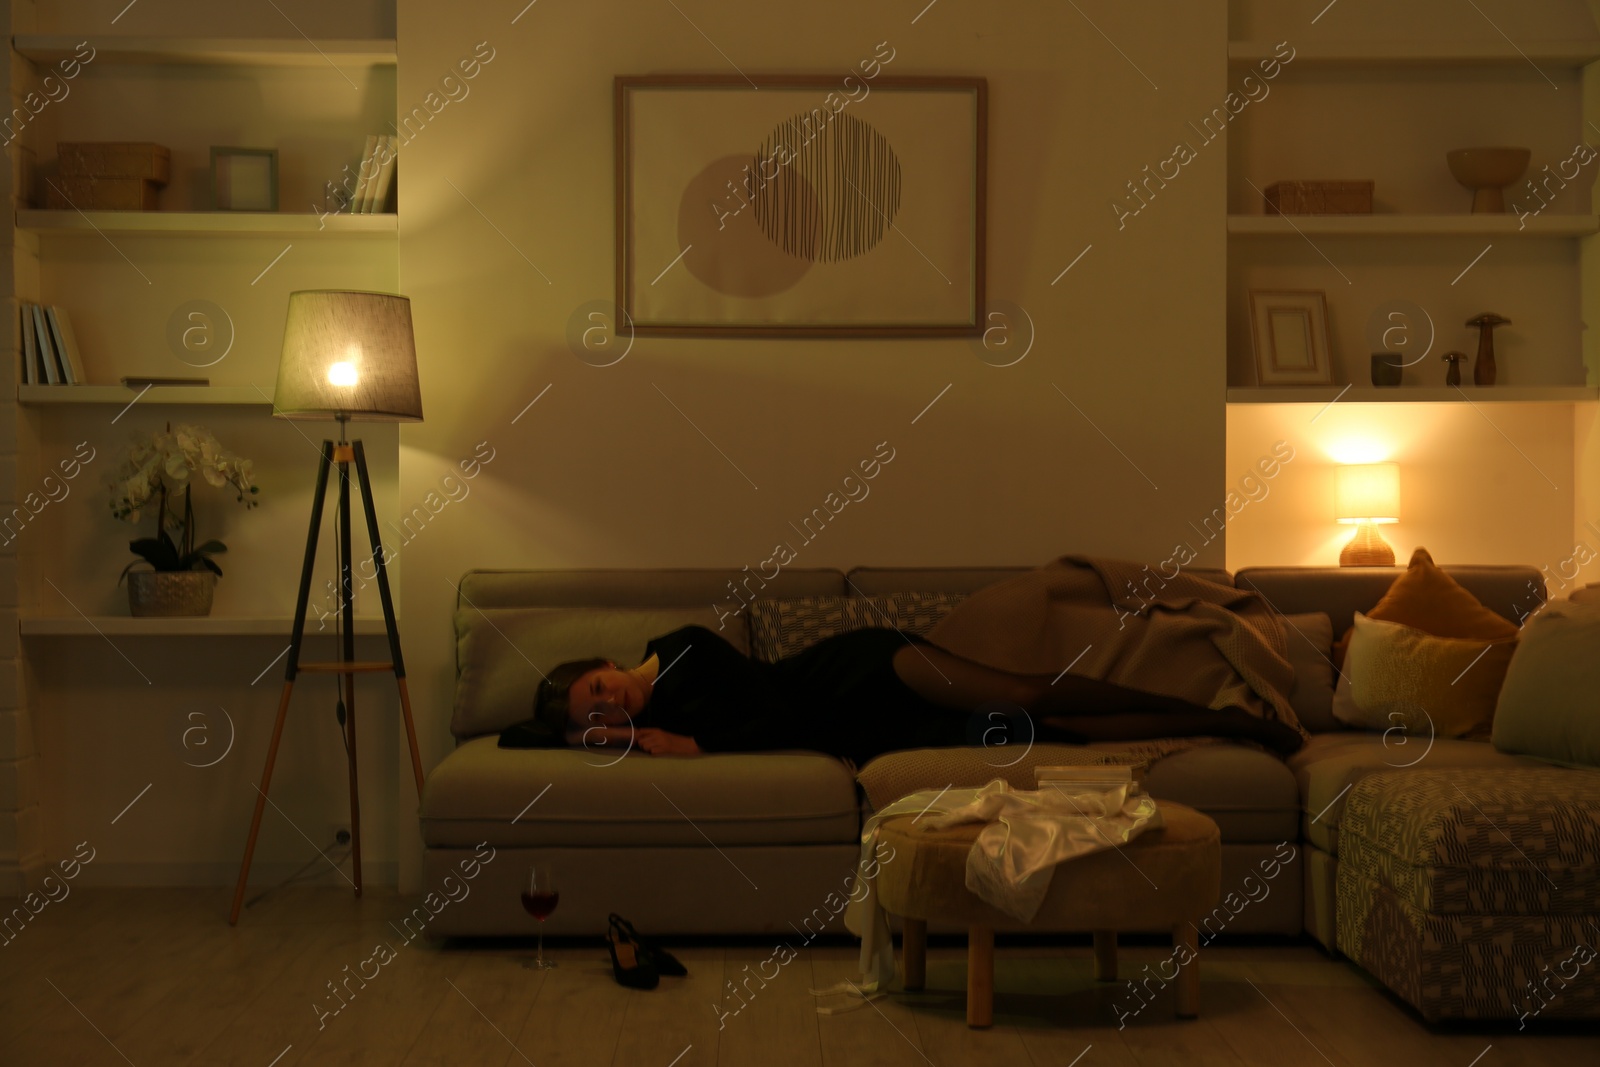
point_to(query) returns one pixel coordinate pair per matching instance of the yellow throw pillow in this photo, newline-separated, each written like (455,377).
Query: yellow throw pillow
(1428,599)
(1439,686)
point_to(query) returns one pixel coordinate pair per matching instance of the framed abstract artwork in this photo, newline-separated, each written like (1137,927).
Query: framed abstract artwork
(1290,332)
(799,205)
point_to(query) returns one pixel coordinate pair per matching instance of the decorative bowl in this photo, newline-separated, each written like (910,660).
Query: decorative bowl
(1487,171)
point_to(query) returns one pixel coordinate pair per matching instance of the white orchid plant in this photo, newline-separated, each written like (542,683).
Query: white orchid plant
(159,467)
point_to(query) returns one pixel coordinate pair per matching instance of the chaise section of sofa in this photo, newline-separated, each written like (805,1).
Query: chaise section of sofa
(1337,758)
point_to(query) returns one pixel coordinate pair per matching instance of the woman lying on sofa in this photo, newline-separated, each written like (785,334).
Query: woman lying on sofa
(854,695)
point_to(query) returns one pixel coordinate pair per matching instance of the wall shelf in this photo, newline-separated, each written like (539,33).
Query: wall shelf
(1553,54)
(206,223)
(1366,394)
(156,394)
(195,626)
(1413,225)
(211,51)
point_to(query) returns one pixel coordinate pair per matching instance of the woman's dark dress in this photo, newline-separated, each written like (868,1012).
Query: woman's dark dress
(840,696)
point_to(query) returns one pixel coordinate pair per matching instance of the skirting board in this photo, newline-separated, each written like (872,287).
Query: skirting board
(262,875)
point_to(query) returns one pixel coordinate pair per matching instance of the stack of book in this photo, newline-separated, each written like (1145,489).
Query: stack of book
(49,350)
(375,175)
(109,175)
(1097,778)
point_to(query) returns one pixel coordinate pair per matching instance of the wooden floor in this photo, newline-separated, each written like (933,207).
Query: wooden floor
(153,977)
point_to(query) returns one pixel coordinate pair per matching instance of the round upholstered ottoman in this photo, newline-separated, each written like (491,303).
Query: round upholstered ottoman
(1164,880)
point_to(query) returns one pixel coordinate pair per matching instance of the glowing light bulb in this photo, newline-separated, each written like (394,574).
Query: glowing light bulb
(342,373)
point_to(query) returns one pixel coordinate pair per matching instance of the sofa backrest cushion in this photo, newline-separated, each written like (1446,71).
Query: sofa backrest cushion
(502,653)
(1309,638)
(867,581)
(1550,704)
(513,624)
(1511,592)
(781,627)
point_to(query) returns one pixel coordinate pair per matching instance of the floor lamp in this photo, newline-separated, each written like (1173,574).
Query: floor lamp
(346,355)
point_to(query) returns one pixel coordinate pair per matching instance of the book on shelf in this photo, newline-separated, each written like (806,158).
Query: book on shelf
(66,344)
(30,349)
(378,190)
(359,197)
(47,353)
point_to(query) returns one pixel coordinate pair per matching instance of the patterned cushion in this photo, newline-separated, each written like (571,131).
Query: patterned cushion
(783,626)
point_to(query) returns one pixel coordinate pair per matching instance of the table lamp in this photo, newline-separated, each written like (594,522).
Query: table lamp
(1368,494)
(346,356)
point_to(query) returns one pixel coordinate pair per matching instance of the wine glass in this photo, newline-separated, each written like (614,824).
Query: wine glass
(539,898)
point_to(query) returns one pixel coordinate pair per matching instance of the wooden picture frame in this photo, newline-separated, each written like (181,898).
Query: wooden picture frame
(1289,330)
(244,179)
(737,213)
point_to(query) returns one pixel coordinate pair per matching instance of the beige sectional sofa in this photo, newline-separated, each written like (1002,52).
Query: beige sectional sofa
(766,843)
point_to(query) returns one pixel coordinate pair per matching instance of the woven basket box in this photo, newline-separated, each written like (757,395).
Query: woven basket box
(1320,198)
(103,194)
(115,159)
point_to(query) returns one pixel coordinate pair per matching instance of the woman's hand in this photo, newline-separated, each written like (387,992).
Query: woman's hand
(661,743)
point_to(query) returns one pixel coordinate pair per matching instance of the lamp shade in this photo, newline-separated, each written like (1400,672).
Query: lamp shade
(348,354)
(1368,492)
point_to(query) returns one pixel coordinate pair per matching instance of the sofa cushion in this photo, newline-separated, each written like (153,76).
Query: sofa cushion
(1523,841)
(893,775)
(1550,703)
(1249,793)
(572,797)
(1426,685)
(1309,638)
(1330,764)
(501,653)
(1428,599)
(781,627)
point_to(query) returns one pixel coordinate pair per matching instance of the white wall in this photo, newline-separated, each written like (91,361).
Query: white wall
(1002,470)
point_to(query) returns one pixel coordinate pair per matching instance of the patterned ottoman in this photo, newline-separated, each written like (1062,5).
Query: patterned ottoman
(1476,894)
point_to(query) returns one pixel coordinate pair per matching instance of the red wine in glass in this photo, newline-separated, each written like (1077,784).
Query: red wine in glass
(540,905)
(540,895)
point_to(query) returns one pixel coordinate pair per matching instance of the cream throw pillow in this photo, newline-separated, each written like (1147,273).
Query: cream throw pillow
(1438,686)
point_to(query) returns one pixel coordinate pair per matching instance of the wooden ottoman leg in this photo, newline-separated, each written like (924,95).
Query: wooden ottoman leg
(1105,955)
(1186,943)
(980,975)
(914,953)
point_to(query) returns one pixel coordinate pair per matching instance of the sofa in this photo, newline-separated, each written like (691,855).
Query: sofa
(767,843)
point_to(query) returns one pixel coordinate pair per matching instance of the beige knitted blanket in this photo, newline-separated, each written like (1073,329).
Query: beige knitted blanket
(1122,622)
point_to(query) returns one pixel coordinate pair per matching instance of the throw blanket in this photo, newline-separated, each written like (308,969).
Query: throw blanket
(1122,622)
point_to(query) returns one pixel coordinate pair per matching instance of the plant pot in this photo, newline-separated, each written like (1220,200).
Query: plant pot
(170,593)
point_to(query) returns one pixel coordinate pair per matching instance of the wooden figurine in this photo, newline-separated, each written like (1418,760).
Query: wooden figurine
(1484,370)
(1453,375)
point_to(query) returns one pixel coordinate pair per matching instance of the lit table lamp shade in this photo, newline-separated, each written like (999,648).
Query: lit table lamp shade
(348,355)
(1367,494)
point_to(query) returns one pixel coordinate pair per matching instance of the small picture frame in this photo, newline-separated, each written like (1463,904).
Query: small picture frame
(244,179)
(1290,331)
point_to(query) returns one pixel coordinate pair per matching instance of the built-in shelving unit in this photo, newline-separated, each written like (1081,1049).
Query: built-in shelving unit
(205,223)
(1346,109)
(195,626)
(1413,225)
(209,51)
(1366,394)
(1554,54)
(155,394)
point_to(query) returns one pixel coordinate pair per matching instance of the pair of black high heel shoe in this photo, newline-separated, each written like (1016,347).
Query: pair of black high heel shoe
(635,962)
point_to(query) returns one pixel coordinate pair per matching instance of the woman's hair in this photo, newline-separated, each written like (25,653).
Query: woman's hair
(552,700)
